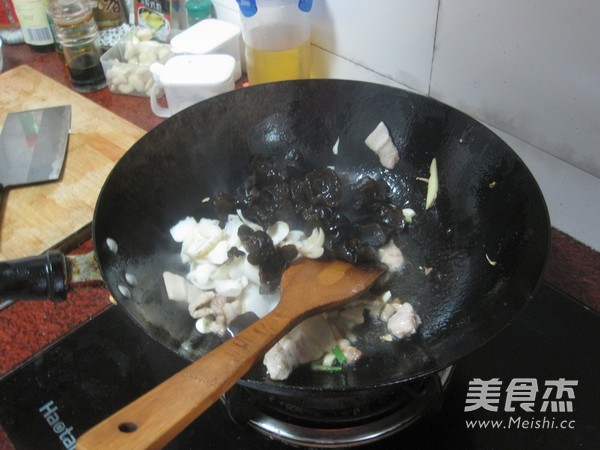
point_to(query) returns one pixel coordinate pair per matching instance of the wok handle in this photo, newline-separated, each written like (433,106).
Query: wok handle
(157,417)
(39,277)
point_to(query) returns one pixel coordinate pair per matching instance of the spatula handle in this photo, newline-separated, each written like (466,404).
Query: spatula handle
(154,419)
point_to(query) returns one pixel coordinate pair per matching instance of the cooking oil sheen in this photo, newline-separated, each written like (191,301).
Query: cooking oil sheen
(277,65)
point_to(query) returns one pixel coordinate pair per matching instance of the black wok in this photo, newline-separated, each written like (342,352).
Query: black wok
(486,239)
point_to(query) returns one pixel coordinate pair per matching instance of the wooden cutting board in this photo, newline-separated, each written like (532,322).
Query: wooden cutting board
(36,218)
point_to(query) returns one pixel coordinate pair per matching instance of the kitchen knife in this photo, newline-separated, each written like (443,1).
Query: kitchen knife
(33,145)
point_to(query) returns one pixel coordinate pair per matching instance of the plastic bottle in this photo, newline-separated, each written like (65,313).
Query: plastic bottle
(57,44)
(276,34)
(198,10)
(34,24)
(77,32)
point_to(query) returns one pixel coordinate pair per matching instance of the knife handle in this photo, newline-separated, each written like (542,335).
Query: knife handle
(35,278)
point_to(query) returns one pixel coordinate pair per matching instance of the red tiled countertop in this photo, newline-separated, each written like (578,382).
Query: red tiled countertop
(26,328)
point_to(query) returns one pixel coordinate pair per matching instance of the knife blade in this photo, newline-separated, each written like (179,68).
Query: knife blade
(33,144)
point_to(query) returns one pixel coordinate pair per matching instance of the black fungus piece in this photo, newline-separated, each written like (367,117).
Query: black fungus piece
(235,252)
(271,269)
(373,234)
(272,266)
(356,252)
(260,210)
(338,228)
(271,261)
(267,172)
(325,214)
(252,208)
(367,254)
(254,242)
(326,188)
(294,156)
(390,216)
(310,219)
(300,195)
(271,204)
(278,200)
(295,165)
(357,218)
(277,192)
(225,204)
(288,253)
(368,194)
(286,212)
(347,250)
(243,203)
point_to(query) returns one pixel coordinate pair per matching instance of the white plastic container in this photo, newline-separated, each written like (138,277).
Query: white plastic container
(211,36)
(127,66)
(189,79)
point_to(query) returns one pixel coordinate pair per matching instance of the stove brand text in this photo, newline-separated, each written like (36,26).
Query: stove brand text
(49,411)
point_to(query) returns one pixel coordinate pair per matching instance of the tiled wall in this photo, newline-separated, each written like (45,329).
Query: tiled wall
(529,69)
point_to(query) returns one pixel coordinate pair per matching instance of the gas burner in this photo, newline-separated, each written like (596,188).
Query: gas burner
(306,422)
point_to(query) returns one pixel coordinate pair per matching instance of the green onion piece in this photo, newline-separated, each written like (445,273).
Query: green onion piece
(339,354)
(321,368)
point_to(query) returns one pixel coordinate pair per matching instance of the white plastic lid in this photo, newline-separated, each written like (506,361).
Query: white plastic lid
(196,70)
(204,37)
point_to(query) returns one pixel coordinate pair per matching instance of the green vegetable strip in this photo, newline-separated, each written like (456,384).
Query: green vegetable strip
(322,368)
(339,355)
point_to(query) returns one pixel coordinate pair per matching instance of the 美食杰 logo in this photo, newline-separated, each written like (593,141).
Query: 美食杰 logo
(532,404)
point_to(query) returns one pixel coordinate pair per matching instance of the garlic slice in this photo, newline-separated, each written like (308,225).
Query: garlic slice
(432,185)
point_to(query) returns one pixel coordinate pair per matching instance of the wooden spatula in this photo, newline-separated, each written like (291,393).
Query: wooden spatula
(150,422)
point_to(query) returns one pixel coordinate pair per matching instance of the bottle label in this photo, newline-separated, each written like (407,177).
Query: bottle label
(157,15)
(8,16)
(38,36)
(109,14)
(34,22)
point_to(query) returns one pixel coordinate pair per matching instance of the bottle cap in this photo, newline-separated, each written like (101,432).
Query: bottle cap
(305,5)
(248,7)
(199,9)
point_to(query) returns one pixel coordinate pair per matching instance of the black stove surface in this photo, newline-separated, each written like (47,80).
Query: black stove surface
(536,386)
